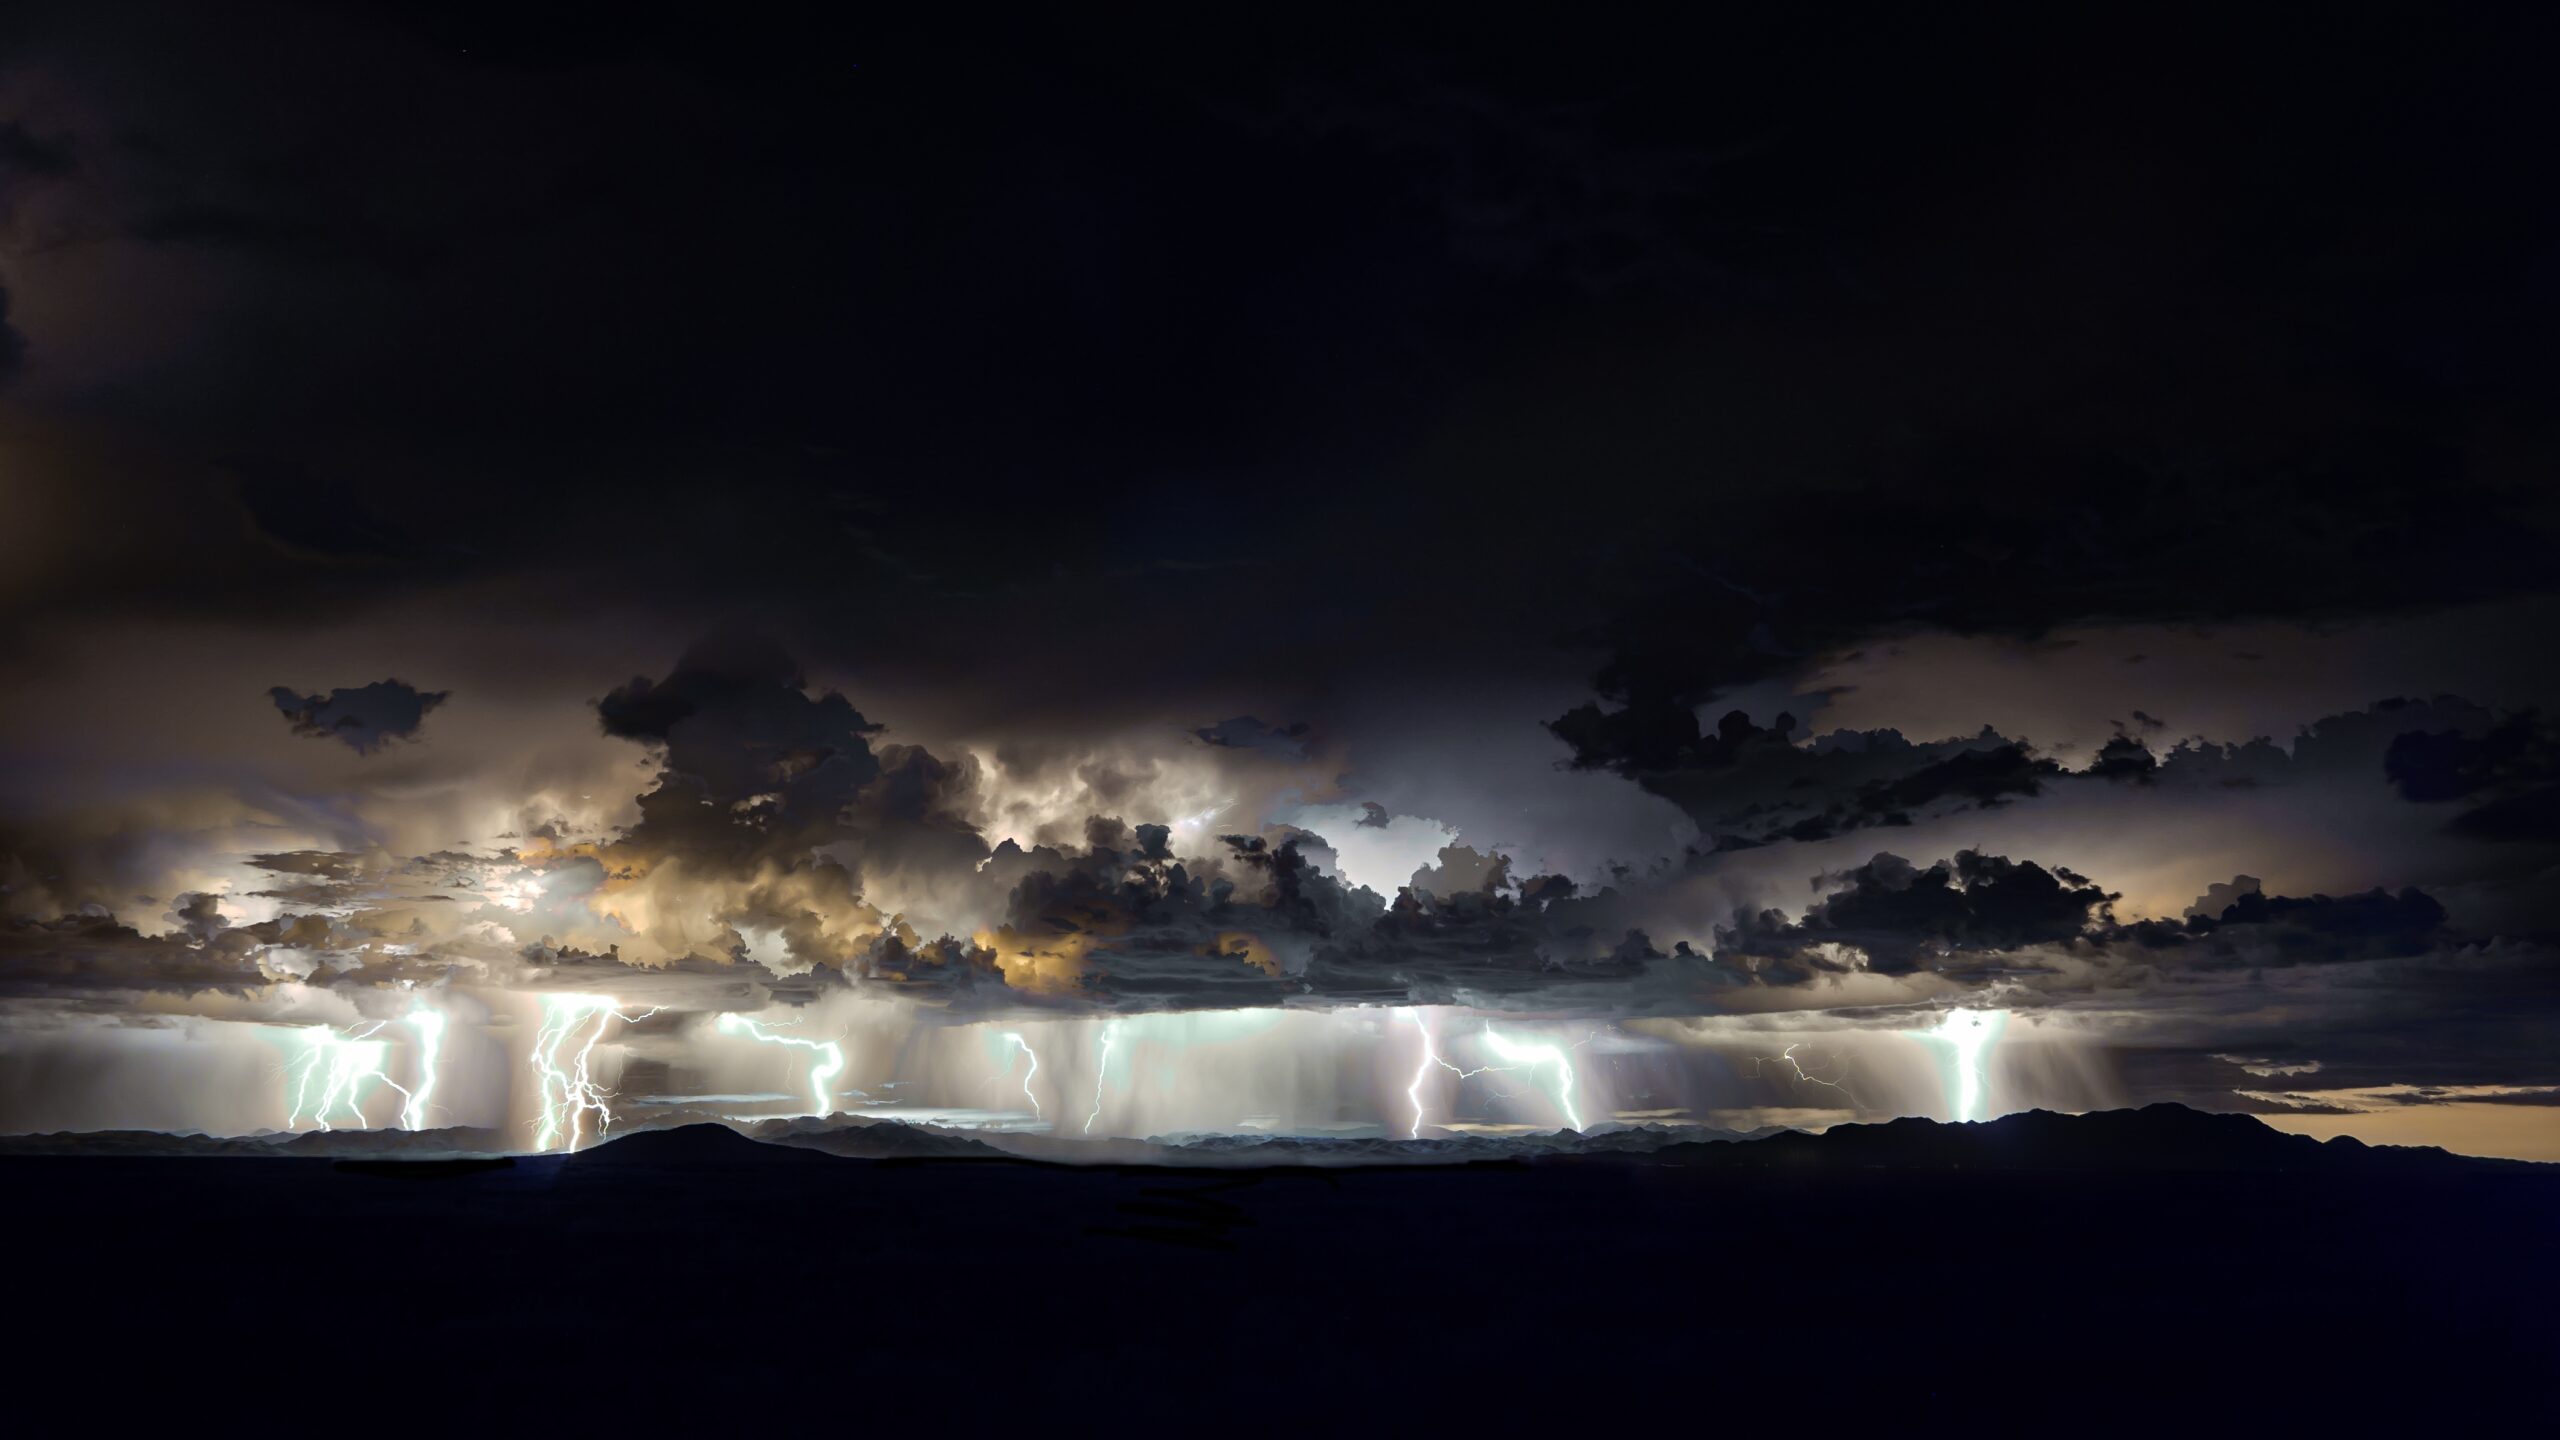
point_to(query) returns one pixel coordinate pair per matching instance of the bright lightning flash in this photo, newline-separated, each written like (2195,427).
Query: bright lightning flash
(347,1062)
(825,1064)
(429,1024)
(1016,1038)
(568,1090)
(1545,1052)
(1422,1069)
(1968,1036)
(1100,1073)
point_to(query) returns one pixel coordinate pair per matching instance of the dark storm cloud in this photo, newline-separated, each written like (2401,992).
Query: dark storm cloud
(2511,772)
(359,884)
(753,761)
(198,915)
(322,864)
(2446,1014)
(2365,1101)
(2530,816)
(93,954)
(736,680)
(2238,925)
(1538,944)
(1123,924)
(2119,548)
(697,982)
(1461,870)
(366,718)
(1903,918)
(1244,732)
(1159,933)
(773,813)
(1746,784)
(947,968)
(2344,750)
(322,877)
(2125,758)
(1987,914)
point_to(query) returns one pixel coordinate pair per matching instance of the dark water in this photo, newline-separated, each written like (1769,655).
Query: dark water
(787,1290)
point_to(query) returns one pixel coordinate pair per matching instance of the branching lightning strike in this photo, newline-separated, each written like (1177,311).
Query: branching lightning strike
(348,1062)
(567,1092)
(825,1064)
(1788,1058)
(1422,1069)
(1542,1053)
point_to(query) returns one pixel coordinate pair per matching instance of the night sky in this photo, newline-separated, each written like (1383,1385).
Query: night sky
(1716,550)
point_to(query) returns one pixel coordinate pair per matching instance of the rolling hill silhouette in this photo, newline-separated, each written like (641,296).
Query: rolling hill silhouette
(2163,1139)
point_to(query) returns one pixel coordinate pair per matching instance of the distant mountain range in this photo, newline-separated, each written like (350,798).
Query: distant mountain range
(2159,1139)
(805,1138)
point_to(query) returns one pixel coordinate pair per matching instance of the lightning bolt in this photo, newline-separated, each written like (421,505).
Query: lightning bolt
(1422,1069)
(1100,1073)
(1968,1036)
(1016,1038)
(429,1023)
(825,1064)
(347,1061)
(1789,1057)
(1545,1052)
(568,1091)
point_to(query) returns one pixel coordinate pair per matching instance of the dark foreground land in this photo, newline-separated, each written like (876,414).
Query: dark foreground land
(697,1276)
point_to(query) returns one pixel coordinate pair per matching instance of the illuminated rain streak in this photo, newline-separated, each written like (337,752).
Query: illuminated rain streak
(1545,1052)
(1101,1073)
(1968,1036)
(826,1061)
(429,1023)
(1422,1069)
(1016,1037)
(567,1093)
(348,1061)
